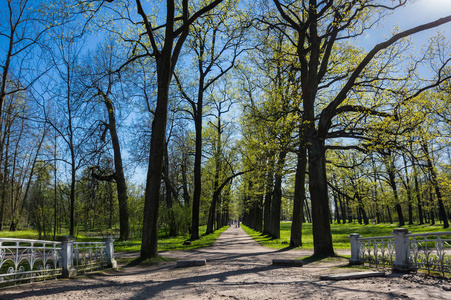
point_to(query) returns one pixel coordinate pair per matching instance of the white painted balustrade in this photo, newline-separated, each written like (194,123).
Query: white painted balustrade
(404,251)
(23,260)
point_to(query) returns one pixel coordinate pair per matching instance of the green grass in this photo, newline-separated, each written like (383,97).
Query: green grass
(173,243)
(20,234)
(164,243)
(340,233)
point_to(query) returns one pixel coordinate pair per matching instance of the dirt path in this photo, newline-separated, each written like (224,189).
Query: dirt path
(237,268)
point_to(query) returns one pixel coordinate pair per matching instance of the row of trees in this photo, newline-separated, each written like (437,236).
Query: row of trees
(253,110)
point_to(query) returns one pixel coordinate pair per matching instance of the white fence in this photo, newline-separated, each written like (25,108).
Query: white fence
(23,261)
(404,251)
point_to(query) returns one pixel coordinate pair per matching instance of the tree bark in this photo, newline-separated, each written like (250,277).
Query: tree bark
(441,207)
(269,186)
(121,186)
(322,236)
(276,202)
(197,174)
(391,175)
(418,194)
(299,197)
(149,245)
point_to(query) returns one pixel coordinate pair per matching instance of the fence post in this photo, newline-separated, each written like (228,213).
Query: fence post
(109,250)
(355,249)
(67,255)
(402,249)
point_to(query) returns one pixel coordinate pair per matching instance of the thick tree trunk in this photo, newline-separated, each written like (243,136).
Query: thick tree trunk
(197,181)
(299,197)
(197,161)
(149,245)
(322,236)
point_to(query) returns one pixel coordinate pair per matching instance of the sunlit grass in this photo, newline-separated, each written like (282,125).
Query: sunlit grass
(164,243)
(173,243)
(20,234)
(340,233)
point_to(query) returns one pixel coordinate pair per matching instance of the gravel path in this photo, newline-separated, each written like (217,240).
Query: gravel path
(237,268)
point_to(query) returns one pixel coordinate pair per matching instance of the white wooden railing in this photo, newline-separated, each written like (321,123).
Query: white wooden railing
(404,251)
(23,261)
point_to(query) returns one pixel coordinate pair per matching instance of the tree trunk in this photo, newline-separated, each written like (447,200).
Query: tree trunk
(362,209)
(391,175)
(186,195)
(217,156)
(307,212)
(121,186)
(299,197)
(343,208)
(408,190)
(390,219)
(197,166)
(170,194)
(149,245)
(441,207)
(322,236)
(268,196)
(72,201)
(418,194)
(431,207)
(337,210)
(3,184)
(211,213)
(277,197)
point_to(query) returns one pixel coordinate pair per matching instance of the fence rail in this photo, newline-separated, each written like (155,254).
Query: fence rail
(23,261)
(430,251)
(378,251)
(404,251)
(89,256)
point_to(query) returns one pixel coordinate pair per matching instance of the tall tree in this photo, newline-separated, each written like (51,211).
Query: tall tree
(317,30)
(107,88)
(212,38)
(67,113)
(165,48)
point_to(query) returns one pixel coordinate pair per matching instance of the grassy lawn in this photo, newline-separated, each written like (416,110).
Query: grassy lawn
(340,233)
(164,243)
(20,234)
(173,243)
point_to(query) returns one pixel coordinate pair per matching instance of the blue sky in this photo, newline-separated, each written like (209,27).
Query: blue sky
(417,13)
